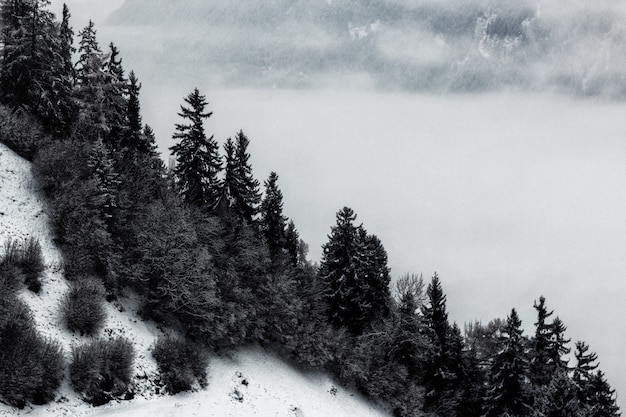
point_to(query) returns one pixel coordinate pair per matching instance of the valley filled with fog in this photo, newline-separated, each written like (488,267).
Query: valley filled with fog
(482,140)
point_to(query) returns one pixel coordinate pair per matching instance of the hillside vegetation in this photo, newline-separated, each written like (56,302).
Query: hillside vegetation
(215,265)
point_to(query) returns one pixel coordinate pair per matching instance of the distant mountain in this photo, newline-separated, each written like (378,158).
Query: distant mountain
(454,45)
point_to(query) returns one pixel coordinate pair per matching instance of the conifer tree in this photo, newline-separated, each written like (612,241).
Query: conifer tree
(602,399)
(583,373)
(32,74)
(197,159)
(507,393)
(115,101)
(241,191)
(91,80)
(67,45)
(106,179)
(585,362)
(272,219)
(541,365)
(355,275)
(443,362)
(292,243)
(134,137)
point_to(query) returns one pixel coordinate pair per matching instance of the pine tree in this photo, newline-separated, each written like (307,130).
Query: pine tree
(67,45)
(241,191)
(32,74)
(91,81)
(272,219)
(292,243)
(106,179)
(134,136)
(507,393)
(558,349)
(115,101)
(583,371)
(602,399)
(541,365)
(197,159)
(355,275)
(585,362)
(439,373)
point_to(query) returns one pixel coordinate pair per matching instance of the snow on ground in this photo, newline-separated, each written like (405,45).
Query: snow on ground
(251,382)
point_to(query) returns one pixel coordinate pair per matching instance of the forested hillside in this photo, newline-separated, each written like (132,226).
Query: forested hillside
(217,265)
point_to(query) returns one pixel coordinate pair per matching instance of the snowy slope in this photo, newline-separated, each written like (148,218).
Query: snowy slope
(250,383)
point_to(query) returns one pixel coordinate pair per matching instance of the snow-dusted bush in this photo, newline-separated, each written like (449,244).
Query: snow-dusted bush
(181,363)
(22,263)
(83,308)
(31,367)
(102,370)
(32,264)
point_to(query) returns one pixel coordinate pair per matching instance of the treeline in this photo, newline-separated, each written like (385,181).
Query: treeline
(216,260)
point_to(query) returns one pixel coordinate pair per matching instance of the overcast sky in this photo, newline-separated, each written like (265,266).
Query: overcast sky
(508,196)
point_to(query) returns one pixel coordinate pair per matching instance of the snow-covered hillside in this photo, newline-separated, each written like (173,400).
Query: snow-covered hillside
(251,382)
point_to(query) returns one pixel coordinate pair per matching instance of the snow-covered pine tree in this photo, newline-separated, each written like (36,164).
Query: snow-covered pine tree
(67,44)
(197,159)
(106,179)
(272,219)
(115,98)
(91,80)
(33,73)
(437,373)
(355,274)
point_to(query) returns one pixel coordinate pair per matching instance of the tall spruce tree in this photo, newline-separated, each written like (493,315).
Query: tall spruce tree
(115,98)
(33,75)
(355,275)
(197,159)
(244,189)
(91,81)
(439,372)
(541,364)
(293,244)
(507,394)
(602,398)
(272,219)
(134,137)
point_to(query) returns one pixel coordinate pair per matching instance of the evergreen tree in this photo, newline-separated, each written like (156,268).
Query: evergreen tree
(135,137)
(33,74)
(115,102)
(106,179)
(292,244)
(91,82)
(558,349)
(272,219)
(507,393)
(67,45)
(241,190)
(197,159)
(471,401)
(443,365)
(355,274)
(602,399)
(585,363)
(584,372)
(541,365)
